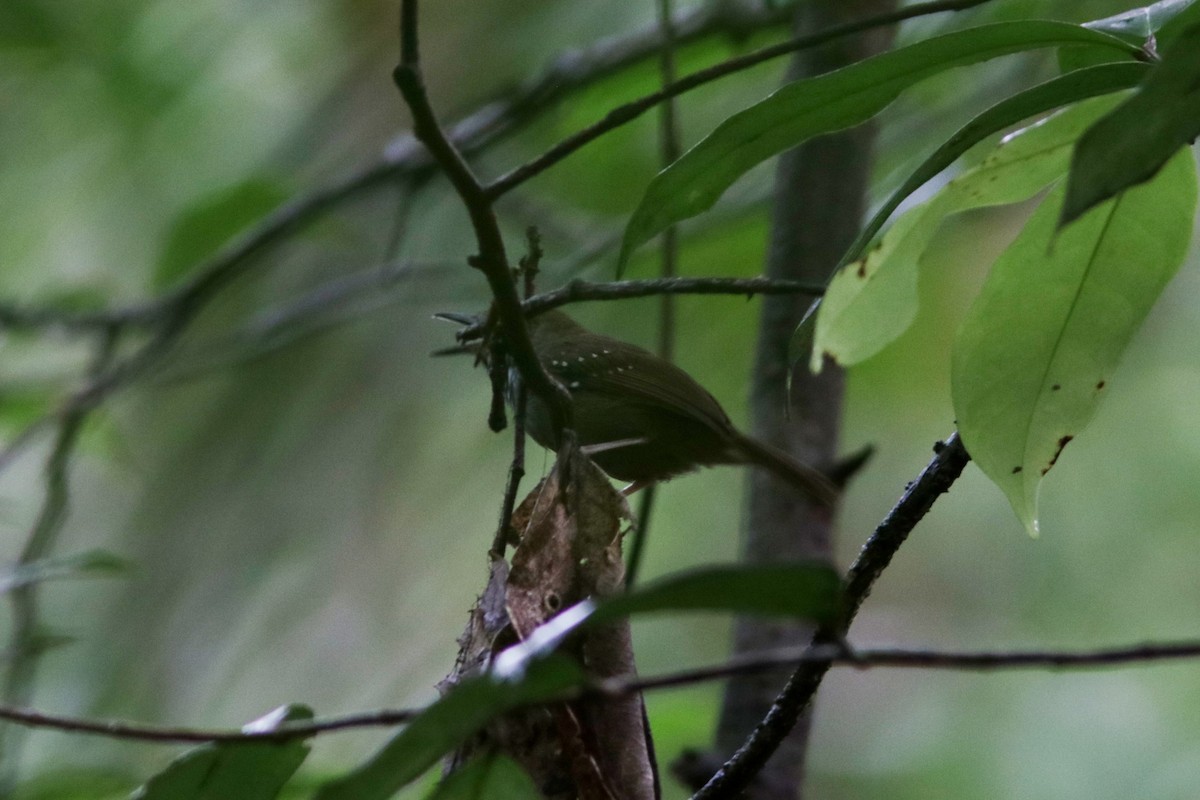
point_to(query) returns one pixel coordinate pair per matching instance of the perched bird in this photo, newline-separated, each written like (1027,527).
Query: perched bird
(641,418)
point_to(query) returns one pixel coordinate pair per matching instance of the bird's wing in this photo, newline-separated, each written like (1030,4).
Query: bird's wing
(639,377)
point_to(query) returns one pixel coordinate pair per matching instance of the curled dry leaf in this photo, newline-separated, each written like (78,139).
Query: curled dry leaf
(570,549)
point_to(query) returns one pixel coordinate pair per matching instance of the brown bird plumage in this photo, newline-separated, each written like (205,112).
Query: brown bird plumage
(643,419)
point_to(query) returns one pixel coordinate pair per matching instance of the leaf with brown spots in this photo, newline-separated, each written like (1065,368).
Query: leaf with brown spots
(1053,319)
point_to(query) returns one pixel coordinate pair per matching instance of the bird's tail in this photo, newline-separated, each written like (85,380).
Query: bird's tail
(813,483)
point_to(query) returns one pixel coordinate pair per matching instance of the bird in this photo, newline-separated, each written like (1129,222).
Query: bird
(642,419)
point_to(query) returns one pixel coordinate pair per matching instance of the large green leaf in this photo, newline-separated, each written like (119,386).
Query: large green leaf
(1133,142)
(232,770)
(1041,341)
(873,300)
(810,591)
(829,102)
(492,777)
(524,674)
(446,724)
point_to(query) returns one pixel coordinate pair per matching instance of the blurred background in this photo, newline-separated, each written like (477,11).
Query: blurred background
(306,497)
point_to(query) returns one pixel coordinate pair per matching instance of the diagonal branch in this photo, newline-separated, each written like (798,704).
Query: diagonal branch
(950,458)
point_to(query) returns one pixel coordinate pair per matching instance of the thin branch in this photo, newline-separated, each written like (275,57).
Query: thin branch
(669,149)
(624,114)
(24,646)
(577,291)
(167,734)
(492,260)
(943,470)
(1147,654)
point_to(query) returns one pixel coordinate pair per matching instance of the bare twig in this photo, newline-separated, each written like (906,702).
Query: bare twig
(578,291)
(24,645)
(628,112)
(935,480)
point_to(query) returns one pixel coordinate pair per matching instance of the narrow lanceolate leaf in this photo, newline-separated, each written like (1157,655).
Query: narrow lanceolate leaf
(809,591)
(233,771)
(491,777)
(446,724)
(1040,343)
(1133,142)
(872,300)
(829,102)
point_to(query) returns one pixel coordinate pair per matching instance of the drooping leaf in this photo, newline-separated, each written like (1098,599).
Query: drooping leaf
(1133,142)
(830,102)
(1041,341)
(810,591)
(89,564)
(200,231)
(492,777)
(233,771)
(446,724)
(872,300)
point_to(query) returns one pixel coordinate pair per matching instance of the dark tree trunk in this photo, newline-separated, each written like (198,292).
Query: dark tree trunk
(818,208)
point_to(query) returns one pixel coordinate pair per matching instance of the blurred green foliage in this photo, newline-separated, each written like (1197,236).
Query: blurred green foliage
(309,515)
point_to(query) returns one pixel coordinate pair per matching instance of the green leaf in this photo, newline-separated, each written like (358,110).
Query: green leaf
(1132,143)
(449,722)
(810,591)
(525,674)
(1140,23)
(200,231)
(89,564)
(872,300)
(1041,341)
(830,102)
(233,771)
(492,777)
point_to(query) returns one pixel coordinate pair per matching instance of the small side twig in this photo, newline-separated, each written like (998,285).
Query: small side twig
(24,647)
(578,291)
